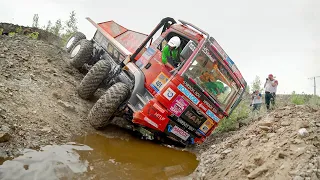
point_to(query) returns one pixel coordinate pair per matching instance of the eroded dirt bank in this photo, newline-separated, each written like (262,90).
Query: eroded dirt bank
(282,145)
(38,100)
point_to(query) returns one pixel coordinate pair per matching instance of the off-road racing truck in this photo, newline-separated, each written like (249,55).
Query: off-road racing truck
(183,103)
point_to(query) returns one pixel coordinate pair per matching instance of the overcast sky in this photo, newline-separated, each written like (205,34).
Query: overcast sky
(262,37)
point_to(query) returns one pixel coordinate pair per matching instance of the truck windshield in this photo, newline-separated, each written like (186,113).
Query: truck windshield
(211,76)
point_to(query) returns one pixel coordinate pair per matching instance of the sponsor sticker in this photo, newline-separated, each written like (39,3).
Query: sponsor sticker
(187,93)
(159,108)
(206,126)
(178,106)
(151,122)
(212,116)
(158,83)
(169,94)
(180,133)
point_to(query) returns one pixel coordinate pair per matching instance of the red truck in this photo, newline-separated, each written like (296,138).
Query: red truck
(159,101)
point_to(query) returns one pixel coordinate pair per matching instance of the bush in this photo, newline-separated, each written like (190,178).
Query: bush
(33,35)
(232,122)
(298,99)
(1,31)
(314,101)
(19,30)
(11,34)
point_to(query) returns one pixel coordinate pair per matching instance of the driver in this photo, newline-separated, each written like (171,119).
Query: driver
(171,52)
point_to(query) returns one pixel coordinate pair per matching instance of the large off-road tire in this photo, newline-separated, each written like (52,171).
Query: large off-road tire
(93,79)
(81,53)
(104,109)
(72,41)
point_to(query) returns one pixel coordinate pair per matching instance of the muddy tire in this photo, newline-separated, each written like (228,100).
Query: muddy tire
(102,112)
(93,79)
(81,53)
(72,41)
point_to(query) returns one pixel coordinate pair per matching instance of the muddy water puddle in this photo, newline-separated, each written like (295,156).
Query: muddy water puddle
(97,157)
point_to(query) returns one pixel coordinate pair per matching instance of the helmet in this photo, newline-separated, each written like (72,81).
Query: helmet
(270,75)
(174,42)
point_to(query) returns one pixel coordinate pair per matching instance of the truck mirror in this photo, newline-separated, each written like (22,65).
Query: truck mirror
(188,50)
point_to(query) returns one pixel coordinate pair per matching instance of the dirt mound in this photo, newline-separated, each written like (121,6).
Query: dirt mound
(283,145)
(38,100)
(43,35)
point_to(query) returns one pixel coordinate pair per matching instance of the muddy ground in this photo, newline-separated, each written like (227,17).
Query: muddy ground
(39,106)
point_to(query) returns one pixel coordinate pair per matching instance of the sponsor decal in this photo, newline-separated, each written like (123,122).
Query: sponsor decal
(179,132)
(151,122)
(169,93)
(178,106)
(212,116)
(203,107)
(186,125)
(159,116)
(206,126)
(192,117)
(200,132)
(219,49)
(192,89)
(158,83)
(159,108)
(189,95)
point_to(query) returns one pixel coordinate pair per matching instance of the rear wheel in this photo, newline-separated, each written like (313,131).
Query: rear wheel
(72,41)
(93,79)
(81,53)
(104,109)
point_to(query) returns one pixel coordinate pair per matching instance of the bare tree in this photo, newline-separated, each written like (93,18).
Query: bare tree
(35,22)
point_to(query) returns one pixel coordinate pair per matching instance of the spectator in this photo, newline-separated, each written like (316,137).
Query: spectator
(256,100)
(270,89)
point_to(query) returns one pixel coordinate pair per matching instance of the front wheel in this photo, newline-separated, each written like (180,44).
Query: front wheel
(104,109)
(93,79)
(72,41)
(81,53)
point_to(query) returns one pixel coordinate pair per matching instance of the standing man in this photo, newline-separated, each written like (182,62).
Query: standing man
(256,100)
(270,89)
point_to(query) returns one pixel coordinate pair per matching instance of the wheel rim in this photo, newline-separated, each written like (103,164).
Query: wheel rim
(75,50)
(70,42)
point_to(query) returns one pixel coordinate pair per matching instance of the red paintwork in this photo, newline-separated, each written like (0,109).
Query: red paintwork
(155,113)
(131,40)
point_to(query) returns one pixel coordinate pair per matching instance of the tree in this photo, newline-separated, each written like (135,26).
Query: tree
(57,28)
(256,84)
(70,26)
(35,22)
(71,23)
(48,28)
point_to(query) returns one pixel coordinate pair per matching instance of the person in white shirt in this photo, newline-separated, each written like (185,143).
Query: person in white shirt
(270,89)
(256,100)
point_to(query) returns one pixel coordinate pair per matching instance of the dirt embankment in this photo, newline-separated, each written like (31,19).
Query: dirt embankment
(38,100)
(283,145)
(43,35)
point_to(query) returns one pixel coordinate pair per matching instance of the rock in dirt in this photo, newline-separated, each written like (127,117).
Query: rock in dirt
(227,151)
(303,132)
(265,128)
(298,178)
(4,137)
(5,128)
(257,172)
(66,105)
(246,142)
(2,56)
(267,123)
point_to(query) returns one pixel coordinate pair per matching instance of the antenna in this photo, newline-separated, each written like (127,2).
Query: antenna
(314,84)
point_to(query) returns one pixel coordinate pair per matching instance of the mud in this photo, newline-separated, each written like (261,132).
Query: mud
(100,158)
